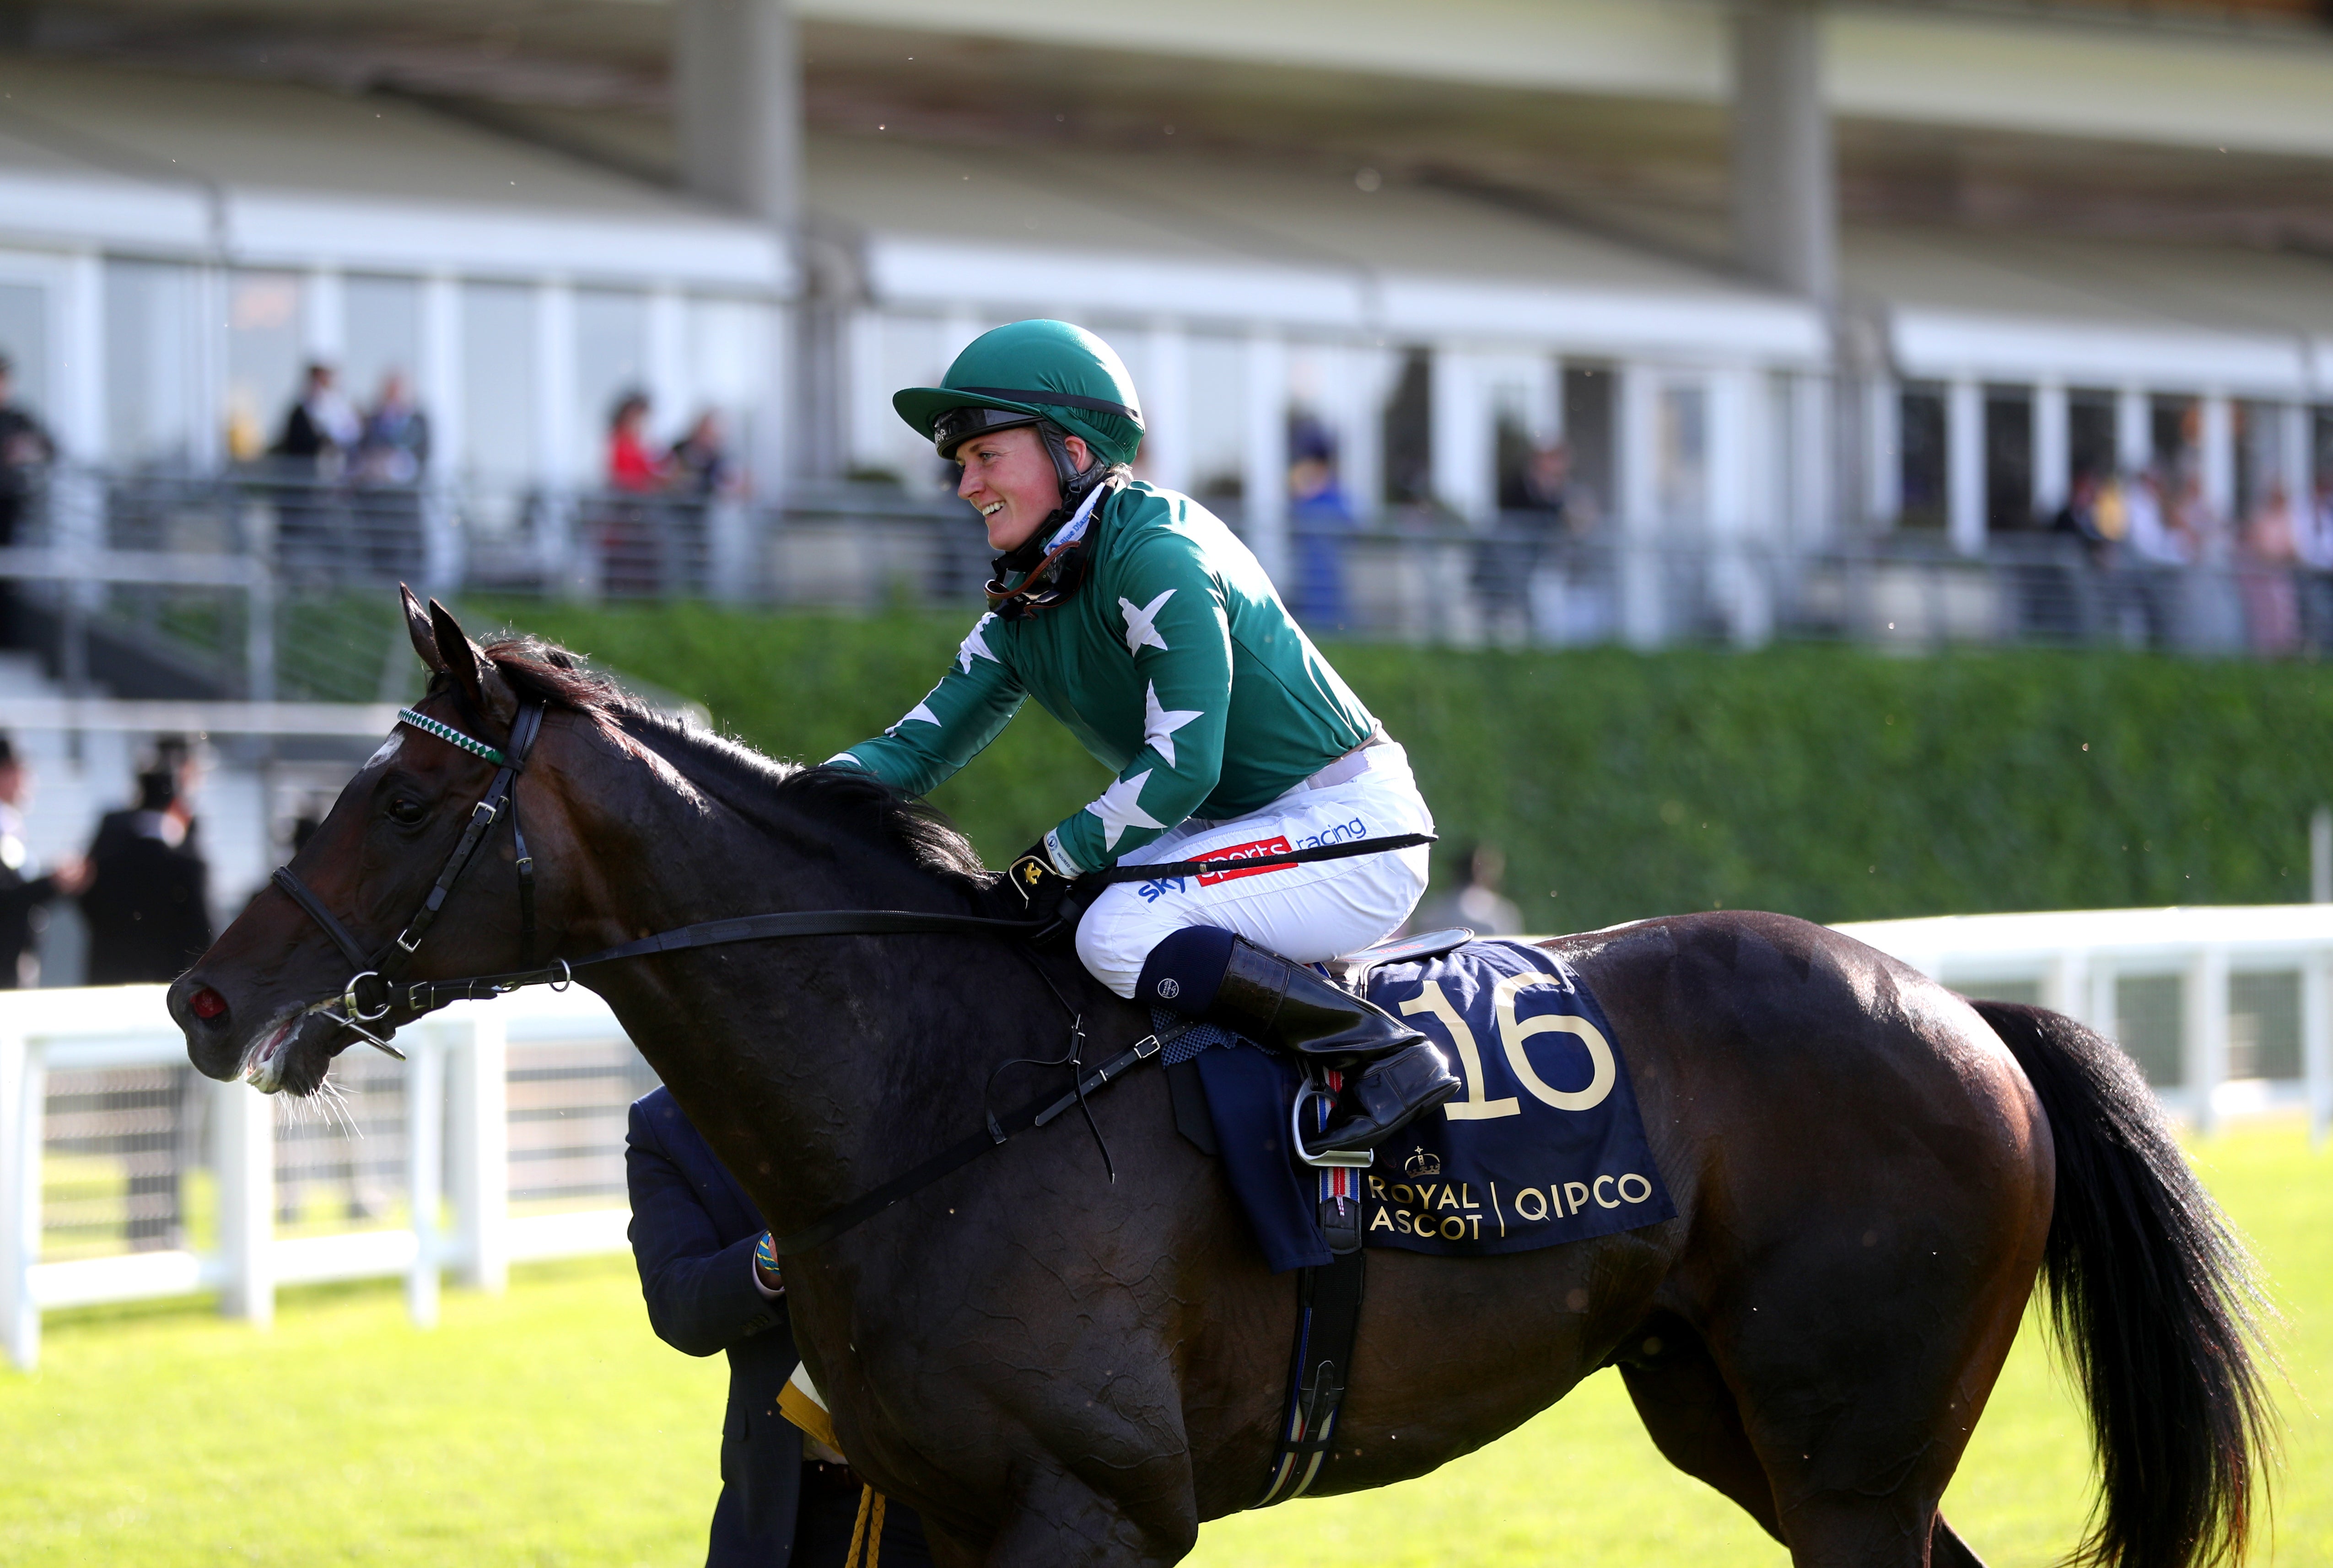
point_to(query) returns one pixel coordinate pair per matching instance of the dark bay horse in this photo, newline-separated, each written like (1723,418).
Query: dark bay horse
(1056,1368)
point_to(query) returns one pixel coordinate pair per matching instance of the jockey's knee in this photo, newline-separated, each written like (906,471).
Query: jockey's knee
(1112,946)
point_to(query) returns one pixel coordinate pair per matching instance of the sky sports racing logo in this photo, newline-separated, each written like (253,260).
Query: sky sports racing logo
(1261,847)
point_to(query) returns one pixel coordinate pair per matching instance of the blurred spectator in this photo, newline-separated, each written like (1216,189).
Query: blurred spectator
(1535,510)
(148,900)
(699,462)
(24,449)
(1320,516)
(392,450)
(631,466)
(1541,483)
(2312,546)
(23,894)
(393,444)
(321,428)
(2264,575)
(2147,530)
(1476,904)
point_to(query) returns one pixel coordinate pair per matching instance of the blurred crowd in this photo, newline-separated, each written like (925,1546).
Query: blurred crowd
(142,889)
(2145,524)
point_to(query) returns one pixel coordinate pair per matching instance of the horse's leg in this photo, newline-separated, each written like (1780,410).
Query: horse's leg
(1060,1522)
(1693,1416)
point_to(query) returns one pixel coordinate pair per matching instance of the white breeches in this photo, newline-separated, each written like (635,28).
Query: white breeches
(1307,913)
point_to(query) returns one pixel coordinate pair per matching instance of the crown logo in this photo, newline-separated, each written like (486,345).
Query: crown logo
(1421,1163)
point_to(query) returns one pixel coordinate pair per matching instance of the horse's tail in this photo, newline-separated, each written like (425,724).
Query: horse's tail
(2153,1299)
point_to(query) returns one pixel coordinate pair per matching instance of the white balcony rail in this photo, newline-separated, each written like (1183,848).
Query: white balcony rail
(466,1092)
(473,1080)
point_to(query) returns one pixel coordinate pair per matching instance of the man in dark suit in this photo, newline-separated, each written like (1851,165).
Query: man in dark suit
(694,1233)
(148,902)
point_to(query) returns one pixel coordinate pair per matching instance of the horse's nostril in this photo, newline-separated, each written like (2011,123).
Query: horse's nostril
(207,1004)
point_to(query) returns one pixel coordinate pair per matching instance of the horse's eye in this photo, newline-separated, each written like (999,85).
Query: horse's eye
(407,812)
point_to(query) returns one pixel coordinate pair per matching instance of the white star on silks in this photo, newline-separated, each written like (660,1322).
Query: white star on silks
(1159,724)
(1138,628)
(975,646)
(920,714)
(1120,807)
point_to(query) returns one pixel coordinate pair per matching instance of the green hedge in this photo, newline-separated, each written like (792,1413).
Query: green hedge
(1830,783)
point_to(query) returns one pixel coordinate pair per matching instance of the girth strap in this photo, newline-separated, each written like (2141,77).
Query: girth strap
(1328,1323)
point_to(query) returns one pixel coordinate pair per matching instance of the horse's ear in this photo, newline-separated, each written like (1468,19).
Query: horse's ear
(470,668)
(418,627)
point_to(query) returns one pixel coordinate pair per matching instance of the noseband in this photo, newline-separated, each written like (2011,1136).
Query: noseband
(370,992)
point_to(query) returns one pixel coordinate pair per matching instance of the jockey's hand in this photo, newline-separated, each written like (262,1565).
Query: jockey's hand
(1041,888)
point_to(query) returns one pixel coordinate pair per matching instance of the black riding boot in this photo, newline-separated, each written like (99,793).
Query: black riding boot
(1402,1074)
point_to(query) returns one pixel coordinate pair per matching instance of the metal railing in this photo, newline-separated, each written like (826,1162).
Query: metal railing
(126,1176)
(210,574)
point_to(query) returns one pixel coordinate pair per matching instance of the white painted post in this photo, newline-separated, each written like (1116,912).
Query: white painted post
(1165,394)
(2066,985)
(2218,439)
(22,1094)
(1263,486)
(2133,428)
(243,1123)
(2317,1043)
(425,1153)
(2203,1034)
(481,1164)
(2053,452)
(1964,465)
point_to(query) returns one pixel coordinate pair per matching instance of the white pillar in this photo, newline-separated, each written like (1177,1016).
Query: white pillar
(2133,428)
(672,390)
(873,433)
(1643,623)
(561,460)
(425,1155)
(206,385)
(2296,460)
(1166,396)
(2218,439)
(1263,488)
(1465,443)
(738,93)
(1785,204)
(1884,424)
(243,1123)
(437,375)
(324,317)
(1361,466)
(77,396)
(2053,459)
(24,1094)
(1811,472)
(1964,465)
(2203,1037)
(1737,399)
(481,1147)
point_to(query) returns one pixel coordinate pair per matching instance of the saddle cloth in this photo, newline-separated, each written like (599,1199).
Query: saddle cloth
(1544,1145)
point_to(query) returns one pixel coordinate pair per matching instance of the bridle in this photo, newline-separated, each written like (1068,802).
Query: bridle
(371,991)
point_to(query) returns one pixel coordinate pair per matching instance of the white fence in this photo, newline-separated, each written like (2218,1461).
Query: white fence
(508,1132)
(519,1092)
(2229,1010)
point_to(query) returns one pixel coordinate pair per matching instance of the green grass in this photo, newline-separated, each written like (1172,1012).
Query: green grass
(548,1427)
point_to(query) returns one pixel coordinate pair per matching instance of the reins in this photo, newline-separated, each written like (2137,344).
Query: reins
(501,798)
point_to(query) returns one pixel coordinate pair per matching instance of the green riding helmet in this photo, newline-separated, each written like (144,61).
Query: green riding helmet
(1030,373)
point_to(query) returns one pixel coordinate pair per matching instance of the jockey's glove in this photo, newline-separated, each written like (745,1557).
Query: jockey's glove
(1041,888)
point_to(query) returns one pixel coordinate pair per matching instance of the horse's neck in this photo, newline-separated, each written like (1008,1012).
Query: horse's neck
(815,1067)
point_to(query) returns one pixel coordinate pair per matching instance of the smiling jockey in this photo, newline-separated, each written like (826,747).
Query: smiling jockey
(1137,619)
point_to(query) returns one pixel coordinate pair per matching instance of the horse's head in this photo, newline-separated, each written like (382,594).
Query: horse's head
(262,1003)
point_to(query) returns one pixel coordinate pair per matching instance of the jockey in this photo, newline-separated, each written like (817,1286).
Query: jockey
(1138,620)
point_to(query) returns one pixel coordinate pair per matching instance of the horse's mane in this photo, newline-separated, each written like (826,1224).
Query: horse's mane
(847,798)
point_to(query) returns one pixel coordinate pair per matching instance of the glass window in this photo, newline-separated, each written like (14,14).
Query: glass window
(263,358)
(24,340)
(1920,437)
(611,361)
(383,335)
(1681,453)
(149,363)
(498,380)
